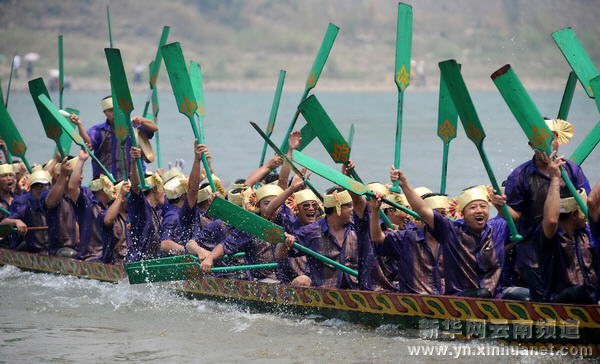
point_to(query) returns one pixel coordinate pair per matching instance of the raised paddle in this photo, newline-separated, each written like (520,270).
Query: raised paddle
(180,271)
(588,144)
(185,258)
(61,72)
(567,98)
(155,67)
(344,181)
(331,138)
(313,76)
(307,135)
(122,96)
(110,40)
(198,87)
(402,71)
(6,230)
(10,76)
(351,135)
(473,128)
(61,121)
(273,115)
(577,57)
(1,94)
(284,156)
(11,136)
(51,127)
(263,229)
(184,94)
(154,117)
(447,126)
(530,119)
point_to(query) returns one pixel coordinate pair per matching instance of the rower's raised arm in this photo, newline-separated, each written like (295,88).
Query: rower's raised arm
(414,200)
(74,186)
(194,180)
(593,203)
(262,171)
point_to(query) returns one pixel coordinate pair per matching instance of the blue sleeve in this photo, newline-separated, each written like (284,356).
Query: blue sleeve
(578,177)
(443,228)
(96,136)
(389,246)
(515,190)
(168,226)
(307,236)
(237,241)
(18,209)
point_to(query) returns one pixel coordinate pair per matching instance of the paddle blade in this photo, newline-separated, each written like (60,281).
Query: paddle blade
(462,101)
(308,135)
(186,258)
(276,100)
(10,134)
(60,120)
(523,108)
(141,273)
(587,145)
(51,126)
(155,65)
(319,63)
(180,80)
(447,114)
(325,129)
(118,79)
(246,221)
(577,57)
(196,81)
(403,46)
(329,173)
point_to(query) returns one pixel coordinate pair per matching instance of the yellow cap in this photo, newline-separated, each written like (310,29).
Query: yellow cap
(70,162)
(172,173)
(204,194)
(39,176)
(266,191)
(563,129)
(154,181)
(399,198)
(305,195)
(104,184)
(378,188)
(107,103)
(337,199)
(176,187)
(569,204)
(422,191)
(6,169)
(472,194)
(436,201)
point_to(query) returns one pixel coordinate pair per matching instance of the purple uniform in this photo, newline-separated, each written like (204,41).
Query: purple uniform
(145,224)
(289,268)
(87,208)
(115,239)
(108,149)
(31,211)
(61,224)
(171,227)
(355,252)
(4,242)
(257,252)
(470,261)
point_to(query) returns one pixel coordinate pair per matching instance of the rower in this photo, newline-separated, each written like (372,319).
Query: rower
(7,187)
(171,228)
(566,252)
(472,247)
(145,213)
(114,227)
(27,211)
(102,140)
(526,190)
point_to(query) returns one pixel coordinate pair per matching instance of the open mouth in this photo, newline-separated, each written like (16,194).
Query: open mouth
(310,215)
(479,219)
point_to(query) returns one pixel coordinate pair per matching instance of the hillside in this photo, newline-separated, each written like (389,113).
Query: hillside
(243,44)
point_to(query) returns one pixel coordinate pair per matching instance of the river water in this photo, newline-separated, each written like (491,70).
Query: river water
(49,318)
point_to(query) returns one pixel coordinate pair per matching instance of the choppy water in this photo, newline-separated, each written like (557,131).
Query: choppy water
(61,319)
(48,318)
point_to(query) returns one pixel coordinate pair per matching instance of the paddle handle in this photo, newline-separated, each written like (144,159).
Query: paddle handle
(514,234)
(565,103)
(4,211)
(383,216)
(398,132)
(444,167)
(110,40)
(61,72)
(106,172)
(138,161)
(326,260)
(263,153)
(243,267)
(284,144)
(200,137)
(582,204)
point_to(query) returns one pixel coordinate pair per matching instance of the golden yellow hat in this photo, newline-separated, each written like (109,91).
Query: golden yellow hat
(422,191)
(337,199)
(176,187)
(399,198)
(472,194)
(235,186)
(204,194)
(305,195)
(6,169)
(70,162)
(172,173)
(569,204)
(106,103)
(563,129)
(154,181)
(102,183)
(266,191)
(436,201)
(378,188)
(39,176)
(17,167)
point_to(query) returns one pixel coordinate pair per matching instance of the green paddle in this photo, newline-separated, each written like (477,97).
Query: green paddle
(197,86)
(530,119)
(263,229)
(473,128)
(110,40)
(61,72)
(154,117)
(186,258)
(1,94)
(307,135)
(121,94)
(344,181)
(351,135)
(6,230)
(180,271)
(61,121)
(402,70)
(11,136)
(273,115)
(313,76)
(51,126)
(447,122)
(565,103)
(155,67)
(284,156)
(184,94)
(577,57)
(591,140)
(12,64)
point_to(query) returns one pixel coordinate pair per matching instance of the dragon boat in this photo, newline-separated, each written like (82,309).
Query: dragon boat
(434,316)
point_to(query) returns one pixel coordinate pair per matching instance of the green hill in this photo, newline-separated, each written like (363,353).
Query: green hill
(243,44)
